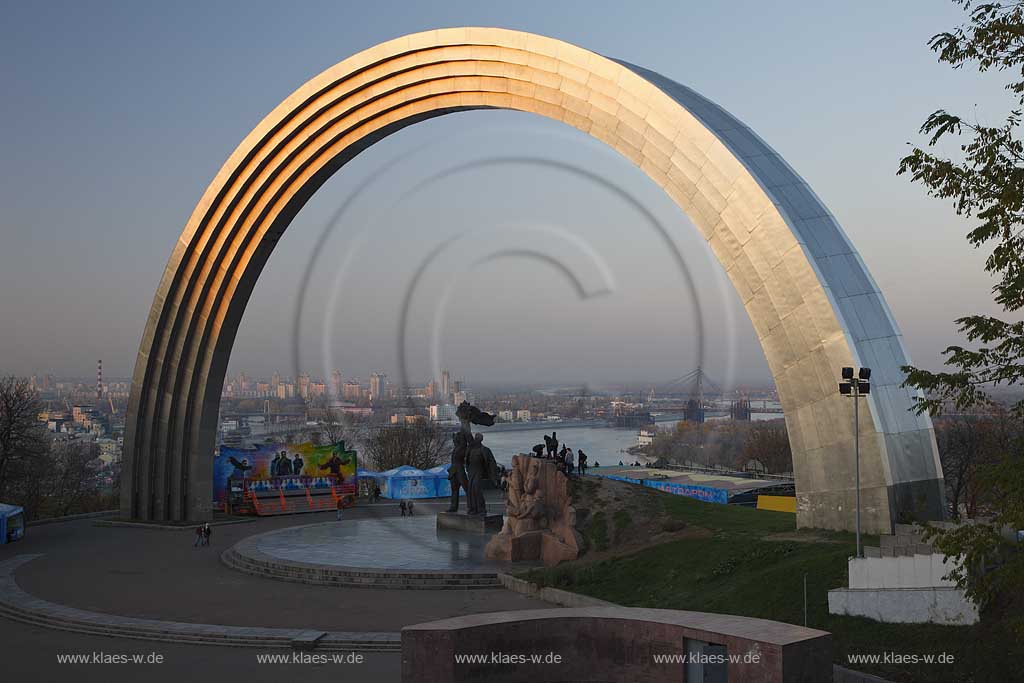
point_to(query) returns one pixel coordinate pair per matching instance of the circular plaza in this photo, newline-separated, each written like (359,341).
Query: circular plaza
(372,552)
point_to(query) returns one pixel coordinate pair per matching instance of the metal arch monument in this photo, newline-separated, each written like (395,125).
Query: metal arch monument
(814,306)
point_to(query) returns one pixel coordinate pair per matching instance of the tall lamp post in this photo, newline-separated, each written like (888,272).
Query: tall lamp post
(856,387)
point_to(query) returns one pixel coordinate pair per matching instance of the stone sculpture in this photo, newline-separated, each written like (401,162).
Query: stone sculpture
(540,521)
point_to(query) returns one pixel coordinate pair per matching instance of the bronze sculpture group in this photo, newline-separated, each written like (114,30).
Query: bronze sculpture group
(472,461)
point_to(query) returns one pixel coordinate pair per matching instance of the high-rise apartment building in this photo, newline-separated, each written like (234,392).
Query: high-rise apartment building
(446,384)
(350,390)
(377,384)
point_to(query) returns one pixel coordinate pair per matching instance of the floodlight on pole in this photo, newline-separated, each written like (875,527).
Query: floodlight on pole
(856,388)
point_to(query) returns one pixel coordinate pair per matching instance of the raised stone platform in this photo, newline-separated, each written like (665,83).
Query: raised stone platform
(404,552)
(459,521)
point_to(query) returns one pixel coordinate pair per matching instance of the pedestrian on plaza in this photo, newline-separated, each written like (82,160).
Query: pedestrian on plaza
(341,506)
(409,507)
(207,532)
(199,536)
(401,506)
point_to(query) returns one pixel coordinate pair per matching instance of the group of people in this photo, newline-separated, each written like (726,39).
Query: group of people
(203,533)
(567,461)
(406,507)
(282,466)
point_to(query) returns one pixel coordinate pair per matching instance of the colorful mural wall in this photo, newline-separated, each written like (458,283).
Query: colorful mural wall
(288,467)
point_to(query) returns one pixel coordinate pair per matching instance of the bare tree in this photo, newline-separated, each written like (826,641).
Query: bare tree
(421,445)
(72,476)
(768,443)
(335,425)
(966,444)
(22,436)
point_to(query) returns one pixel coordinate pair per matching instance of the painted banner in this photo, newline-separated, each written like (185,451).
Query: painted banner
(708,494)
(412,487)
(287,467)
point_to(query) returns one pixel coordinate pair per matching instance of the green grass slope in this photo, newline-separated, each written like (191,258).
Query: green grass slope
(754,563)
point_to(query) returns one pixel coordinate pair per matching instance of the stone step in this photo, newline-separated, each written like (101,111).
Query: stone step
(898,551)
(237,558)
(202,635)
(901,540)
(360,578)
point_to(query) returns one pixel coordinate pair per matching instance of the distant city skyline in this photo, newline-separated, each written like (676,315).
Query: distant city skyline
(93,206)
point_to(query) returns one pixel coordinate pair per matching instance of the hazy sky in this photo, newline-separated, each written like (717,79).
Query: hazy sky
(116,116)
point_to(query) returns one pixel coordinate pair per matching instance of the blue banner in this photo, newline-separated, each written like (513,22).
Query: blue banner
(708,494)
(412,487)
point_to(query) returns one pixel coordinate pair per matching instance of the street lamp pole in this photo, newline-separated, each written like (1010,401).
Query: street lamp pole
(856,454)
(855,388)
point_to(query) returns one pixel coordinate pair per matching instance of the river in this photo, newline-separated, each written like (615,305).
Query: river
(603,445)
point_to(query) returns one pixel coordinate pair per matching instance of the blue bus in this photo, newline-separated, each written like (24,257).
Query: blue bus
(12,523)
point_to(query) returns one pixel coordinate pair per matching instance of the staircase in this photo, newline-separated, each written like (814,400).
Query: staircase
(356,577)
(902,580)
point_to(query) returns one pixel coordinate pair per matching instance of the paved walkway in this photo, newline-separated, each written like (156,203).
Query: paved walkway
(157,574)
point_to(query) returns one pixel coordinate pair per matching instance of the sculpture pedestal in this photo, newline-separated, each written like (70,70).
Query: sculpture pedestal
(532,545)
(460,521)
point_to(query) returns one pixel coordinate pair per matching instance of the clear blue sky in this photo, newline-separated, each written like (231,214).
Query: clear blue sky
(116,115)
